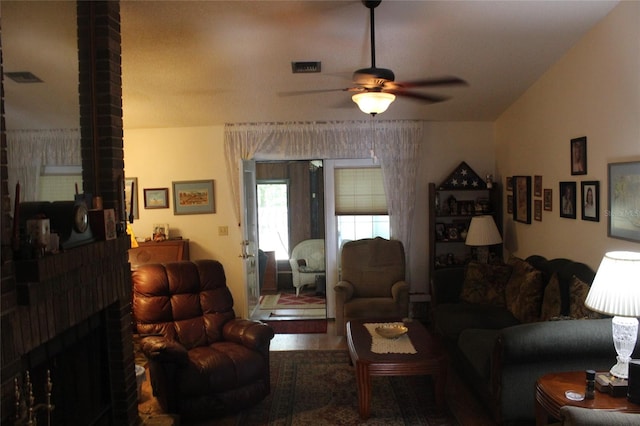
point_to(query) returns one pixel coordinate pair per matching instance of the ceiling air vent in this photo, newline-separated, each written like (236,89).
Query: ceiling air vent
(23,77)
(305,67)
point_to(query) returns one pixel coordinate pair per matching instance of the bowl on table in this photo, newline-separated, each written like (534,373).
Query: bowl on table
(392,331)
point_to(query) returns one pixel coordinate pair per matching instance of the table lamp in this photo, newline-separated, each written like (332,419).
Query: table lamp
(616,291)
(483,233)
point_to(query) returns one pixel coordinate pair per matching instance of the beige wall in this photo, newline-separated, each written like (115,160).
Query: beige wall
(158,157)
(593,91)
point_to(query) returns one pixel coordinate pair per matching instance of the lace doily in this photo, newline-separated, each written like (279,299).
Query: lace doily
(380,345)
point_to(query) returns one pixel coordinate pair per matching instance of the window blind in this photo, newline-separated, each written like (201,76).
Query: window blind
(360,191)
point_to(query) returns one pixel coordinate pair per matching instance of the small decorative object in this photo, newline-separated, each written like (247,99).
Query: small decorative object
(103,224)
(131,197)
(522,199)
(391,331)
(160,232)
(548,199)
(193,197)
(579,156)
(452,233)
(590,386)
(614,291)
(574,395)
(624,201)
(39,231)
(440,231)
(568,200)
(537,186)
(453,205)
(489,181)
(156,198)
(590,200)
(463,177)
(509,183)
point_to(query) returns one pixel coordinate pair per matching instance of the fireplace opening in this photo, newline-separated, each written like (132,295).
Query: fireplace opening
(78,365)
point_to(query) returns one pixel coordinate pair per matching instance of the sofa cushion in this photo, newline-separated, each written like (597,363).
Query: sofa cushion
(524,291)
(477,346)
(453,318)
(551,300)
(485,283)
(578,291)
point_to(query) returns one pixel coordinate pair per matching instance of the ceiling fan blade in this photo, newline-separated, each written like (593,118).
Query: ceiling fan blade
(419,96)
(430,82)
(308,92)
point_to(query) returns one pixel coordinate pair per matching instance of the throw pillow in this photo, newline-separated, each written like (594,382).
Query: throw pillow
(578,291)
(524,291)
(485,284)
(551,300)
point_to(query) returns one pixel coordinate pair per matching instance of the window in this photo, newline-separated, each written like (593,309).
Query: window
(273,217)
(361,205)
(59,182)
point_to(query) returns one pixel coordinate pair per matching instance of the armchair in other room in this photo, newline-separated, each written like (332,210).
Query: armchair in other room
(203,361)
(307,262)
(372,283)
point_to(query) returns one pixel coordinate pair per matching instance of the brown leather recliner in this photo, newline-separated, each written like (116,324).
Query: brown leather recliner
(203,361)
(372,282)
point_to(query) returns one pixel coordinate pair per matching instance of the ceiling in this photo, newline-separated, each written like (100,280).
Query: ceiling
(201,63)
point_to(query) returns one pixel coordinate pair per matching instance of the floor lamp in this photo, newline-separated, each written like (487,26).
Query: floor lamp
(616,291)
(483,233)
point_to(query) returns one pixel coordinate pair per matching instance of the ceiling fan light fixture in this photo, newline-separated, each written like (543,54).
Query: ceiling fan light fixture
(373,102)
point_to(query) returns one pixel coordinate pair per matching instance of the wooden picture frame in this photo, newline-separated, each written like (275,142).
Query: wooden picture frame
(537,186)
(441,232)
(537,210)
(160,232)
(509,184)
(547,199)
(590,196)
(156,198)
(579,156)
(509,204)
(568,200)
(623,212)
(194,197)
(130,183)
(522,199)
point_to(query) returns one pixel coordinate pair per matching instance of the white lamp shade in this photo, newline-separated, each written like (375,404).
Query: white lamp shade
(616,287)
(373,102)
(483,232)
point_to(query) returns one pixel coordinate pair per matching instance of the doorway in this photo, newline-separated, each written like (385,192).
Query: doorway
(291,234)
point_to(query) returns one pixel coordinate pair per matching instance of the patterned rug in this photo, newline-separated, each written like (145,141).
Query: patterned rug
(291,301)
(319,388)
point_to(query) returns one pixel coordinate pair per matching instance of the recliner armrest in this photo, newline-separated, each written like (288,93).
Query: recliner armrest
(249,333)
(164,350)
(344,290)
(400,291)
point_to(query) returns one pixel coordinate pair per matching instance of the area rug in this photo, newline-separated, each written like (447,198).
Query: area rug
(291,301)
(319,388)
(298,326)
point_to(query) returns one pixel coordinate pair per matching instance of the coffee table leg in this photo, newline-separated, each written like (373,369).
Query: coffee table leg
(439,386)
(363,381)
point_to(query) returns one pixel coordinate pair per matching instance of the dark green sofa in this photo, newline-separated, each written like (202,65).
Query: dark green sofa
(499,356)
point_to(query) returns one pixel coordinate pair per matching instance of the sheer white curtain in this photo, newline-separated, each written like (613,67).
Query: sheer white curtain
(395,143)
(29,150)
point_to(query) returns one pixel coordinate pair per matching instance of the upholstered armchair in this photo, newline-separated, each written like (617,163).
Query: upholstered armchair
(203,361)
(372,282)
(307,262)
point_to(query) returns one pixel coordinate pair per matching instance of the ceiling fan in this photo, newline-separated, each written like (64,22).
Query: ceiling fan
(375,88)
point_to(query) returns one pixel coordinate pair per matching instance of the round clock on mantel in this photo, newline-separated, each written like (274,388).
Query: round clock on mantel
(80,217)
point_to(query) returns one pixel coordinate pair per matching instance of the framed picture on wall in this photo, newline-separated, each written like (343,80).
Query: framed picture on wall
(537,186)
(537,210)
(193,197)
(568,200)
(522,199)
(590,191)
(156,198)
(548,199)
(624,201)
(579,156)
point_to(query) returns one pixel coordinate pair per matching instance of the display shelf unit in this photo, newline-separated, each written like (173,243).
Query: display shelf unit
(451,208)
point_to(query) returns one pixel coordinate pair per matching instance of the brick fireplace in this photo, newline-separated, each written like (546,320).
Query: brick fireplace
(69,313)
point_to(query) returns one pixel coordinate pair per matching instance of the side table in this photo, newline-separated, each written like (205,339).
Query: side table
(550,396)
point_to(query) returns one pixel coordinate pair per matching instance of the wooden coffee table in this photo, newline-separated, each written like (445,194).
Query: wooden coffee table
(550,396)
(430,359)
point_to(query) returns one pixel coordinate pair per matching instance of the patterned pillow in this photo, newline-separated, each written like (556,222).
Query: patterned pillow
(524,291)
(578,291)
(485,284)
(551,301)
